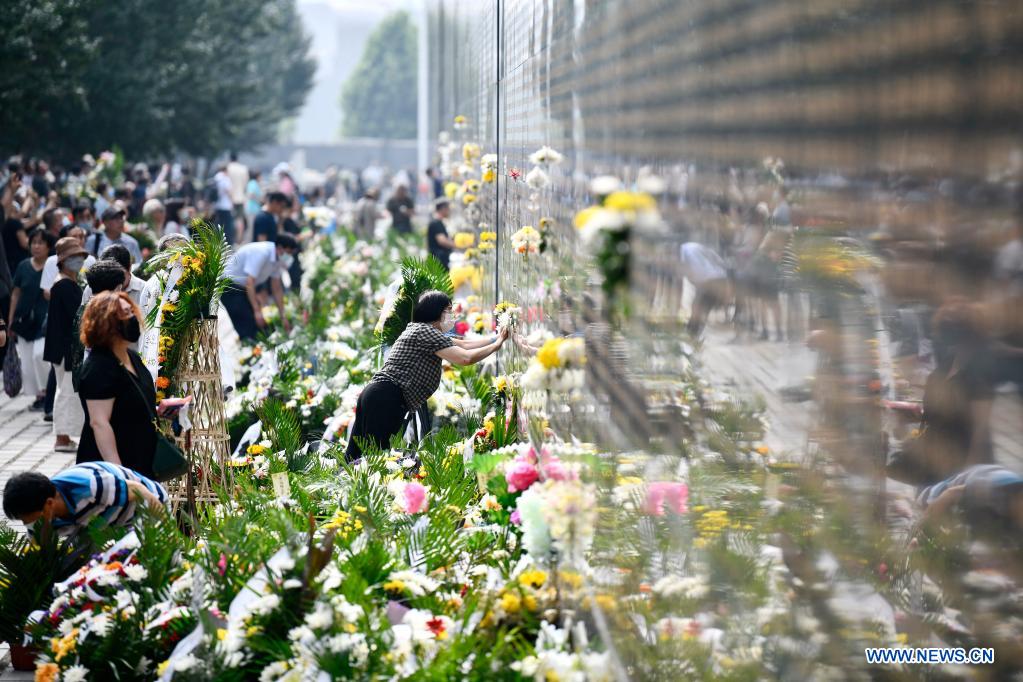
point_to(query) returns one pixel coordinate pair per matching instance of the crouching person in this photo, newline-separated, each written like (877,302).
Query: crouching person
(74,497)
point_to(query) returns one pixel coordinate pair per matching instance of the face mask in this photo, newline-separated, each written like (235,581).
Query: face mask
(447,323)
(130,329)
(287,260)
(75,263)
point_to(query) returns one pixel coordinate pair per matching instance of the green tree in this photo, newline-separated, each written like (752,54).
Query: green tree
(379,98)
(153,77)
(44,47)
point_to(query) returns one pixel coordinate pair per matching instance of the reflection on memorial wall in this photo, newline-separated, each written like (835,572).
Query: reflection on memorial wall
(788,235)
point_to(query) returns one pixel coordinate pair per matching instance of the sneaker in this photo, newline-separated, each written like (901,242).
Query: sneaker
(38,405)
(48,417)
(66,447)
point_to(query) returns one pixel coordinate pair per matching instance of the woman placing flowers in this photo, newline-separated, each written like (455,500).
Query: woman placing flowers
(412,372)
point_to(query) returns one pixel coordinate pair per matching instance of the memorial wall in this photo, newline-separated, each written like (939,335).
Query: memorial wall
(845,177)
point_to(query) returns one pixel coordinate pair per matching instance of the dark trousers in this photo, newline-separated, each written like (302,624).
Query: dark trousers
(51,391)
(379,415)
(236,302)
(225,221)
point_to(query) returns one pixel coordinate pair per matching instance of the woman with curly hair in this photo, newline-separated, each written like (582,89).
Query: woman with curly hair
(114,385)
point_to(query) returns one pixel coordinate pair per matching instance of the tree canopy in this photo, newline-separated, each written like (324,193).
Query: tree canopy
(379,98)
(153,77)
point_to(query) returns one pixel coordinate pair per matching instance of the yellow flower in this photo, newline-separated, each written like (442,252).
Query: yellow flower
(450,190)
(529,601)
(162,668)
(221,634)
(548,354)
(394,586)
(468,199)
(351,628)
(501,384)
(255,449)
(584,216)
(572,579)
(534,578)
(489,175)
(160,395)
(253,630)
(630,201)
(169,307)
(511,603)
(459,120)
(472,186)
(763,450)
(464,240)
(488,236)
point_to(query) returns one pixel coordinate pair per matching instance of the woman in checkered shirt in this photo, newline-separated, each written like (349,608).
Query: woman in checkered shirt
(412,372)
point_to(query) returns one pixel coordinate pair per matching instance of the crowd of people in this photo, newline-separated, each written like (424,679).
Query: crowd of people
(74,292)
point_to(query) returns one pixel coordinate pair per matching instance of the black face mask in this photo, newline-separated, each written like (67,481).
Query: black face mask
(130,329)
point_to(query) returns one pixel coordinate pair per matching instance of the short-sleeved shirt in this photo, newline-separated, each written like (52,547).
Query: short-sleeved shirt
(125,240)
(27,279)
(257,260)
(101,378)
(700,264)
(400,222)
(264,225)
(441,253)
(100,489)
(413,363)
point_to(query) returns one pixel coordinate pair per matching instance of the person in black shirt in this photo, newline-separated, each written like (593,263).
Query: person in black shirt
(401,208)
(65,297)
(114,387)
(264,226)
(436,182)
(438,243)
(15,243)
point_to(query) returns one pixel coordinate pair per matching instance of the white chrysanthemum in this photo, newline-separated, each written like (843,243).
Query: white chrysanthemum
(76,673)
(545,155)
(651,184)
(264,605)
(537,178)
(686,587)
(135,572)
(321,617)
(605,184)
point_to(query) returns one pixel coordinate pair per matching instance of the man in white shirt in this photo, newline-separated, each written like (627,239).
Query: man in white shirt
(252,265)
(707,272)
(50,268)
(223,214)
(113,233)
(133,286)
(239,174)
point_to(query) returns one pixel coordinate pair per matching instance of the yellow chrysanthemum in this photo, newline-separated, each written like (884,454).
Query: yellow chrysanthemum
(489,175)
(584,216)
(548,354)
(450,190)
(463,240)
(630,201)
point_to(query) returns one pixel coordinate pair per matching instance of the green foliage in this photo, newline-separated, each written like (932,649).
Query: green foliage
(379,98)
(418,276)
(28,570)
(195,76)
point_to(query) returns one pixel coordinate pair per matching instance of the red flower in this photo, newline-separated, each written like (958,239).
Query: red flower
(461,328)
(436,626)
(515,173)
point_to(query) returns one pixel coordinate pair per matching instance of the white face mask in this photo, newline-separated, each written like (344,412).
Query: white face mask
(447,322)
(287,260)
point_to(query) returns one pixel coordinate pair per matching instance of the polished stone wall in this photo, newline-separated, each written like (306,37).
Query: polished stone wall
(892,117)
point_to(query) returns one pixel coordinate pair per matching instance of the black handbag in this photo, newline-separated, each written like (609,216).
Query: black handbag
(169,461)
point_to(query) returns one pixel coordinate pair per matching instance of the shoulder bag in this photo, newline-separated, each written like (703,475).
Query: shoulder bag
(168,460)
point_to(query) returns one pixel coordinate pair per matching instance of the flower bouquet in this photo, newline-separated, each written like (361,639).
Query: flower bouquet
(526,241)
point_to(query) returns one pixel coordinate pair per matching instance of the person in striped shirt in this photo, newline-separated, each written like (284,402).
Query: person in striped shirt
(77,495)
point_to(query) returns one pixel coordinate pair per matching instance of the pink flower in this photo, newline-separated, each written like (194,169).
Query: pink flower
(516,518)
(530,456)
(675,495)
(520,475)
(222,564)
(415,498)
(554,470)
